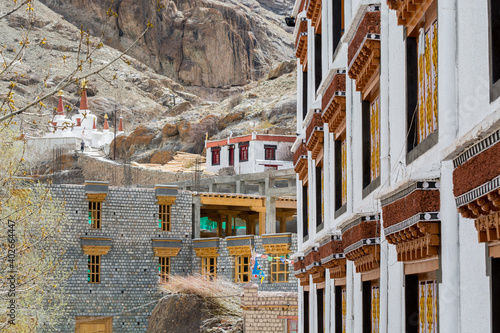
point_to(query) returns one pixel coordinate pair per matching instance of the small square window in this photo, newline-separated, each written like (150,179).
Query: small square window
(279,269)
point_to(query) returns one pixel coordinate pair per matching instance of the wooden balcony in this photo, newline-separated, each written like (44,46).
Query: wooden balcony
(333,103)
(314,135)
(364,50)
(301,41)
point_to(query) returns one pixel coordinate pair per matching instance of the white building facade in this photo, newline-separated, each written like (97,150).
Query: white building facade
(398,165)
(250,153)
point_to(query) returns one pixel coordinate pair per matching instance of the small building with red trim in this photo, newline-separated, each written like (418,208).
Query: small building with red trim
(250,153)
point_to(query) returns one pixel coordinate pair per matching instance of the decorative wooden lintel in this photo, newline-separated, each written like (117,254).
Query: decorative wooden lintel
(99,197)
(315,143)
(207,251)
(488,227)
(165,200)
(240,250)
(409,12)
(339,271)
(482,206)
(366,258)
(282,248)
(318,274)
(416,242)
(334,113)
(366,64)
(166,251)
(93,250)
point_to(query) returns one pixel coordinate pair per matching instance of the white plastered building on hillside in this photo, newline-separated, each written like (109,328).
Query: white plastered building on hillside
(398,165)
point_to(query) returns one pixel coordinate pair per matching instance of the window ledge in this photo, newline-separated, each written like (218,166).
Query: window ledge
(341,211)
(371,187)
(429,142)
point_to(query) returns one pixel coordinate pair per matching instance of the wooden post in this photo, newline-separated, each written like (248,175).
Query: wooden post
(262,223)
(229,225)
(283,224)
(219,226)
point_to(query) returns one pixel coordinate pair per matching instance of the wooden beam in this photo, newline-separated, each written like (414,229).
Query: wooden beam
(233,201)
(262,223)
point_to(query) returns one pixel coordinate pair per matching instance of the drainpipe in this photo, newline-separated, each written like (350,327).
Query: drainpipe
(385,160)
(449,292)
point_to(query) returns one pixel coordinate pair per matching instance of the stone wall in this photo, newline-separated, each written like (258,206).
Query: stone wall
(129,271)
(266,311)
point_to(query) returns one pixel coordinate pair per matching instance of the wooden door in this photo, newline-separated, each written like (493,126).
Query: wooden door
(93,325)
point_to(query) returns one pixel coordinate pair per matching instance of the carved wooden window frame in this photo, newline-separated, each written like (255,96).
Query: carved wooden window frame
(279,269)
(95,214)
(94,269)
(209,267)
(164,265)
(242,271)
(165,217)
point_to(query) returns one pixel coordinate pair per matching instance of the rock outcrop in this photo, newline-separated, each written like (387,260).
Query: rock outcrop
(207,43)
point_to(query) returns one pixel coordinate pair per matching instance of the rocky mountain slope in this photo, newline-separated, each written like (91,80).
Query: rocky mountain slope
(201,43)
(160,115)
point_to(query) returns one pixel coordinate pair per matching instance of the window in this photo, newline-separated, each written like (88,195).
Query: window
(320,305)
(164,268)
(338,22)
(422,70)
(340,309)
(340,175)
(94,269)
(371,141)
(209,267)
(319,196)
(305,212)
(371,301)
(243,151)
(304,94)
(494,49)
(216,156)
(95,214)
(317,60)
(270,152)
(279,270)
(242,269)
(231,155)
(421,303)
(306,311)
(165,217)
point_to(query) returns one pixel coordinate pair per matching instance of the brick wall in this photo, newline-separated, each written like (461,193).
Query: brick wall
(266,311)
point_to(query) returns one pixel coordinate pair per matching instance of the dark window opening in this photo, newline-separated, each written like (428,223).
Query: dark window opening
(243,152)
(338,174)
(495,294)
(321,311)
(411,92)
(366,142)
(215,156)
(495,39)
(231,155)
(338,22)
(319,196)
(305,214)
(338,309)
(411,304)
(367,306)
(304,94)
(306,311)
(317,61)
(270,152)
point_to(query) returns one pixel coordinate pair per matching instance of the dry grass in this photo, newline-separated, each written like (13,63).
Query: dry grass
(222,296)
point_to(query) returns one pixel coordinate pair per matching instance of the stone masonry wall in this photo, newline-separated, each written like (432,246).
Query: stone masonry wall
(129,271)
(267,311)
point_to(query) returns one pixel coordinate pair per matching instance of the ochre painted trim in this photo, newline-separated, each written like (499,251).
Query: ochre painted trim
(424,266)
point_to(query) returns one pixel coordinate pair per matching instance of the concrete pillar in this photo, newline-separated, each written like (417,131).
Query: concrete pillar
(270,215)
(210,187)
(262,189)
(238,186)
(196,216)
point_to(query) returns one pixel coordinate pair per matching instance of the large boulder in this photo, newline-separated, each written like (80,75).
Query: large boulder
(178,314)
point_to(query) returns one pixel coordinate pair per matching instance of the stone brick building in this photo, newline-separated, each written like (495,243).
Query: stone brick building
(122,242)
